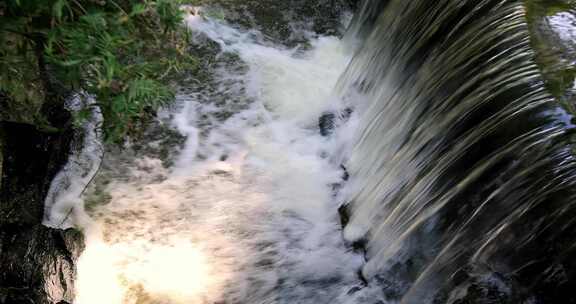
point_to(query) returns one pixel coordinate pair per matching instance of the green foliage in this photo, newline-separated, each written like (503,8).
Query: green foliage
(124,52)
(559,73)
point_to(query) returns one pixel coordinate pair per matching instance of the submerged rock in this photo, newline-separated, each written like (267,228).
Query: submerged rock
(276,19)
(327,124)
(37,263)
(330,121)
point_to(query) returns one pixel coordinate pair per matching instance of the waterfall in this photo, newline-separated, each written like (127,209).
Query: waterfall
(462,172)
(64,199)
(247,213)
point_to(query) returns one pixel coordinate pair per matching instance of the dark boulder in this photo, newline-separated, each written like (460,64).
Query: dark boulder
(37,263)
(330,121)
(327,123)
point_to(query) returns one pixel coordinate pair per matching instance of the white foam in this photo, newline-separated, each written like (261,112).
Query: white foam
(64,197)
(260,226)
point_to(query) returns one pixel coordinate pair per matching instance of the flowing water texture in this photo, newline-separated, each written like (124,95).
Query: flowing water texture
(463,171)
(248,214)
(461,165)
(67,188)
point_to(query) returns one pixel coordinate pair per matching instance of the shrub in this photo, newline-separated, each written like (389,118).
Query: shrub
(126,53)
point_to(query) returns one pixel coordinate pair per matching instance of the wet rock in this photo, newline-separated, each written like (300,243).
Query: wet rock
(336,187)
(345,174)
(327,124)
(354,290)
(359,245)
(330,121)
(344,215)
(276,19)
(159,140)
(479,285)
(37,263)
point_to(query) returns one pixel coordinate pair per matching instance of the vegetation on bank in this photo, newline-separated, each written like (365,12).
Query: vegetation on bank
(558,71)
(126,53)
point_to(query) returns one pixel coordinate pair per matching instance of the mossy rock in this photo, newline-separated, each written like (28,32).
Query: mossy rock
(275,18)
(554,56)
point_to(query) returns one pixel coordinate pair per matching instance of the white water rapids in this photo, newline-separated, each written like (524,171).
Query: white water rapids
(254,220)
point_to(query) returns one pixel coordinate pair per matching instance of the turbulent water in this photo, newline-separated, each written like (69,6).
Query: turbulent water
(248,213)
(461,169)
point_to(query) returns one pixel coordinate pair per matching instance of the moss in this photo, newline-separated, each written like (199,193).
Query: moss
(554,7)
(559,73)
(1,156)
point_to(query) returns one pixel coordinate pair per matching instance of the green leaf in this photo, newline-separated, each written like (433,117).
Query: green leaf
(58,8)
(95,20)
(70,63)
(138,9)
(97,47)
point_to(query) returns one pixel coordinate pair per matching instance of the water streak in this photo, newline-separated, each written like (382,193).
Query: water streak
(459,146)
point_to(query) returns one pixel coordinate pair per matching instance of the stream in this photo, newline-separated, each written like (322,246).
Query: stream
(248,213)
